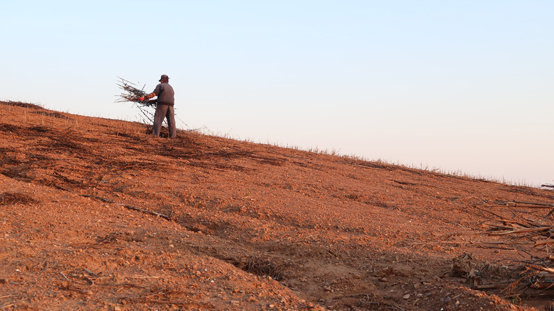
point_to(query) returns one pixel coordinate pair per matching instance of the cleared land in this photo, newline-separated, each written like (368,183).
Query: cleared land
(96,214)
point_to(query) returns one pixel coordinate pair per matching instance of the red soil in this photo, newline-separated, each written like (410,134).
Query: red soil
(243,226)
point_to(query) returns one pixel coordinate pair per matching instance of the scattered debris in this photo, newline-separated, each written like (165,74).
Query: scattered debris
(463,265)
(537,275)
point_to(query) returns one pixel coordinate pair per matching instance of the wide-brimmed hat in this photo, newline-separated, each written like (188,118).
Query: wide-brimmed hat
(164,77)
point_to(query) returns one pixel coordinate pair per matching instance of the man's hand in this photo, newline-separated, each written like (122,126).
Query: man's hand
(141,98)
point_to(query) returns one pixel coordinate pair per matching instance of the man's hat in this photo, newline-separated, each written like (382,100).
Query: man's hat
(164,77)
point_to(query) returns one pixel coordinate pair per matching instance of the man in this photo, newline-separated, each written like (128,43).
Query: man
(164,108)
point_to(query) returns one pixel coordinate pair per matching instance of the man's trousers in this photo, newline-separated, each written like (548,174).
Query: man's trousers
(162,112)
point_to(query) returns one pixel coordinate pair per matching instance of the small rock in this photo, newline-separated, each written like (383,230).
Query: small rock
(407,296)
(447,299)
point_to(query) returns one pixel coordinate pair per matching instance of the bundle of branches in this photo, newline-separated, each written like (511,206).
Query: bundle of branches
(132,94)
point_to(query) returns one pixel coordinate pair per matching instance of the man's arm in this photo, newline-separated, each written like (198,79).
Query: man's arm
(150,95)
(147,97)
(155,93)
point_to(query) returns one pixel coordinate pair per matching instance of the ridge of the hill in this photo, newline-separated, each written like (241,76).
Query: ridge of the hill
(97,214)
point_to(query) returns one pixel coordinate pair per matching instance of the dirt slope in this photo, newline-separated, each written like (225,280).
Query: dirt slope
(97,215)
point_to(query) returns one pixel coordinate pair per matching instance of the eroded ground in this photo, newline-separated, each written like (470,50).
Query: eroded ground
(96,214)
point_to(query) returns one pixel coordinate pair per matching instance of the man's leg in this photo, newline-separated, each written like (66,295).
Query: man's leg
(171,122)
(159,116)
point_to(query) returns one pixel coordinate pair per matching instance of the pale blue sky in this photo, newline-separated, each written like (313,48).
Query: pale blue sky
(457,85)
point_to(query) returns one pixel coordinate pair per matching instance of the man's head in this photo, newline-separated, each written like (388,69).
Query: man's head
(164,78)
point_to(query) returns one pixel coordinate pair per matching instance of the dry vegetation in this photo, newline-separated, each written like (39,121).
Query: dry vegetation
(96,214)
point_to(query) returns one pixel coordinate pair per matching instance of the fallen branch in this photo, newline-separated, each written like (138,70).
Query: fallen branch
(526,204)
(90,272)
(487,211)
(89,280)
(65,277)
(144,211)
(121,285)
(521,231)
(491,286)
(545,217)
(128,206)
(537,206)
(541,268)
(509,243)
(143,277)
(543,242)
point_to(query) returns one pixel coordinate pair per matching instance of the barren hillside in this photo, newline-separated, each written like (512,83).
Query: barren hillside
(97,215)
